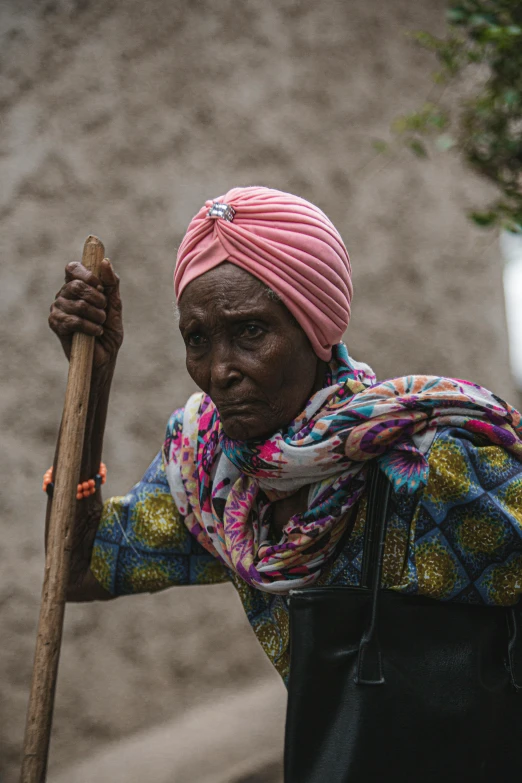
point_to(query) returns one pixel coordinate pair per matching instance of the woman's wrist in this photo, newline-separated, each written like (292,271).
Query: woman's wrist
(101,376)
(95,426)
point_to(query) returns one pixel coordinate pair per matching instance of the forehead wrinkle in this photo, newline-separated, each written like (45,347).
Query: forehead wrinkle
(227,303)
(232,314)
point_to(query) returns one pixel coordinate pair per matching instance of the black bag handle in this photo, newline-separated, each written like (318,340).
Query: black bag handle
(515,645)
(369,665)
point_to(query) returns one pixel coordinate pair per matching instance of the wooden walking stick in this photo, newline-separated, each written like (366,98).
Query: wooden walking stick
(62,513)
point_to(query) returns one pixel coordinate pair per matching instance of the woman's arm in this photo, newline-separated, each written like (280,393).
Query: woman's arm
(92,305)
(142,544)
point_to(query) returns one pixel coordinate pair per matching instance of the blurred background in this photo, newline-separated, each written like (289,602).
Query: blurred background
(120,118)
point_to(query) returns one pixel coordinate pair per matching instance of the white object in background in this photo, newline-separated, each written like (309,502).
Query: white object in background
(511,245)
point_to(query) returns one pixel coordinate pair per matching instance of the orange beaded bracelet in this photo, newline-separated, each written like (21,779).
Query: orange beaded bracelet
(85,488)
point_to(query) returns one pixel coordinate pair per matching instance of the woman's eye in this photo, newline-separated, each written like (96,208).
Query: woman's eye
(195,340)
(251,330)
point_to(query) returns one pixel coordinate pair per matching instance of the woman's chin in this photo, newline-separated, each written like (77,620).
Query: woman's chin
(240,427)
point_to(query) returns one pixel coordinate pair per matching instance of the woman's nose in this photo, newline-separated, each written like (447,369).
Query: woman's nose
(224,371)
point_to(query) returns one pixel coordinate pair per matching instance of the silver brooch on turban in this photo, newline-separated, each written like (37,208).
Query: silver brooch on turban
(220,210)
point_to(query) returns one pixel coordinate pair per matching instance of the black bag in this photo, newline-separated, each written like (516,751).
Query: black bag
(387,687)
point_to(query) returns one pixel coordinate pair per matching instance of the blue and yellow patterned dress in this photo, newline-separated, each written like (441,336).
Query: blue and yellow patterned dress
(457,539)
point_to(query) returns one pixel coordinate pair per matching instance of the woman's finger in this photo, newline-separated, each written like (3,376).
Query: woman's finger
(111,282)
(65,324)
(111,286)
(77,271)
(81,309)
(78,289)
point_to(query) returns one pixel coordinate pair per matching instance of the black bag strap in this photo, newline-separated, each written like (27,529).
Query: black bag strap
(375,525)
(369,667)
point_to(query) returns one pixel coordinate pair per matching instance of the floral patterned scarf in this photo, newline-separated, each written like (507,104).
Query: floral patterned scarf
(225,489)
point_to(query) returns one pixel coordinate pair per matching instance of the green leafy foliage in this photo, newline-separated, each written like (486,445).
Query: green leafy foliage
(482,48)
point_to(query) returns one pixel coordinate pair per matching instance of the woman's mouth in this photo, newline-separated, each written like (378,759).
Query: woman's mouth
(235,408)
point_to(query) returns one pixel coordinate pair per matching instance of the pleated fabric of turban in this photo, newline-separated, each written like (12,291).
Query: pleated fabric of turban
(287,243)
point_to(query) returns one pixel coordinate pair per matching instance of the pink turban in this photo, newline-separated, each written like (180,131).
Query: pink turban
(284,241)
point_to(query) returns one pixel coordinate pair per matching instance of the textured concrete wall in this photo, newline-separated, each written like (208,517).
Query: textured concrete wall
(120,119)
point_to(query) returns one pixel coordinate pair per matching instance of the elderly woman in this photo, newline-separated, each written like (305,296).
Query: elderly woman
(261,479)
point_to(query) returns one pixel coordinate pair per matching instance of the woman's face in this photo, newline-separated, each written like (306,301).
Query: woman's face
(246,352)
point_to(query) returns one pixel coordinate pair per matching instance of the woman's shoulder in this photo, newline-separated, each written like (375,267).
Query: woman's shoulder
(459,536)
(464,465)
